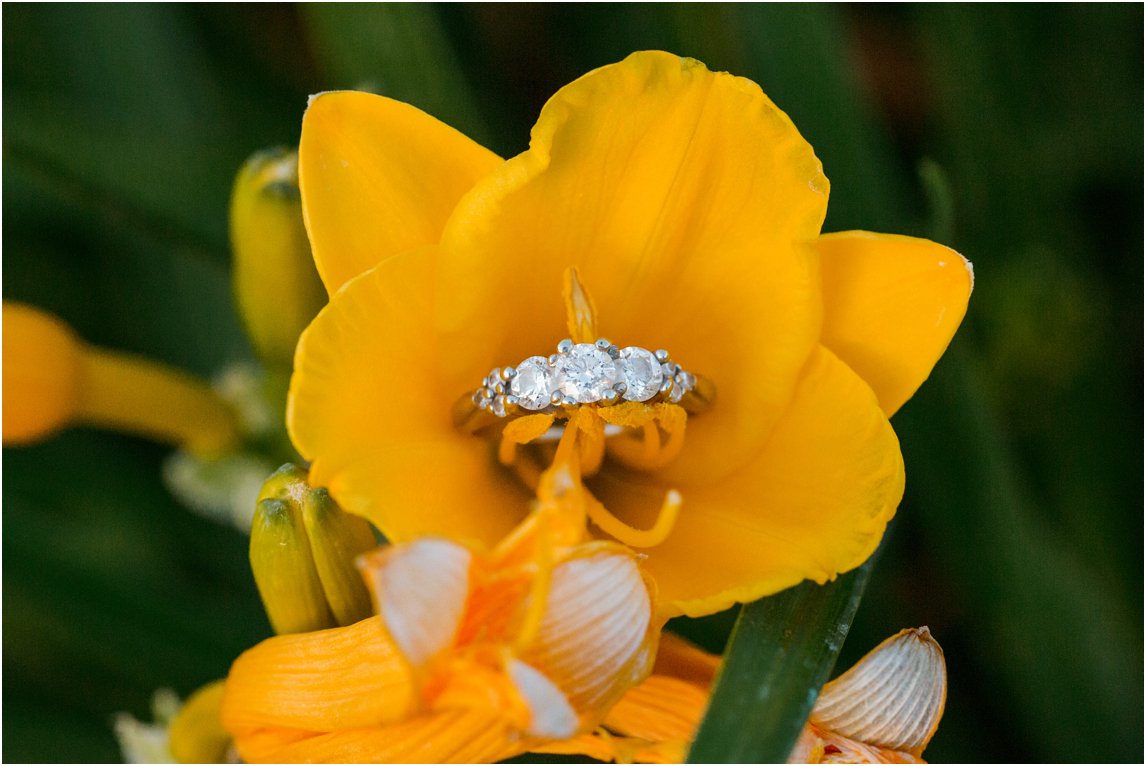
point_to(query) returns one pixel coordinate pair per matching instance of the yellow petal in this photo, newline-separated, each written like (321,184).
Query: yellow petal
(422,589)
(596,639)
(892,698)
(197,735)
(446,737)
(378,177)
(891,306)
(677,193)
(369,408)
(321,681)
(812,504)
(42,374)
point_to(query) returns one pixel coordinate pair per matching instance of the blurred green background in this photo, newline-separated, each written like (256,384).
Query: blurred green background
(1013,133)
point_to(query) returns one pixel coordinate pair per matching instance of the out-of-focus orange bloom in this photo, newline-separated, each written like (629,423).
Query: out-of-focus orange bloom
(473,656)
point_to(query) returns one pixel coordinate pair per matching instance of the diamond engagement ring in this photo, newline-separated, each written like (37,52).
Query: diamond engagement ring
(582,373)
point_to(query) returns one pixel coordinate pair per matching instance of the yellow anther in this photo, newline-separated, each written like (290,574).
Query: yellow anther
(580,311)
(52,379)
(521,431)
(275,281)
(631,536)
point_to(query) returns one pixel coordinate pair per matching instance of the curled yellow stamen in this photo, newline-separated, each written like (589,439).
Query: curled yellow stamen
(631,536)
(580,311)
(647,453)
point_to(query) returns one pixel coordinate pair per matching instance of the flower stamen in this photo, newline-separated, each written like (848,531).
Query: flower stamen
(631,536)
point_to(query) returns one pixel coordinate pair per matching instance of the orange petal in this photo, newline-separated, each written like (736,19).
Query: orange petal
(892,698)
(891,306)
(421,589)
(662,709)
(677,193)
(369,408)
(812,504)
(325,680)
(378,177)
(446,737)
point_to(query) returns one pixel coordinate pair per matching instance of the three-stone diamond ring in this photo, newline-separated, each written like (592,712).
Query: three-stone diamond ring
(581,373)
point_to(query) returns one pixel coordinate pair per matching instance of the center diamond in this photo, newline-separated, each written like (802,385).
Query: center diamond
(584,373)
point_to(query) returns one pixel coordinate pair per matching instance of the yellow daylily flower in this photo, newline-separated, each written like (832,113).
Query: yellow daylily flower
(689,209)
(884,709)
(472,657)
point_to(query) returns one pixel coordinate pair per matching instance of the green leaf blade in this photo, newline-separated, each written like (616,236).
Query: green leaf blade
(781,653)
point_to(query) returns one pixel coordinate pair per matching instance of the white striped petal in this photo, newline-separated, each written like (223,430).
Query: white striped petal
(550,715)
(594,640)
(892,698)
(422,589)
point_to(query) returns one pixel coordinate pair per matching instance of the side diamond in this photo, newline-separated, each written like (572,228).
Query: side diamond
(532,384)
(641,373)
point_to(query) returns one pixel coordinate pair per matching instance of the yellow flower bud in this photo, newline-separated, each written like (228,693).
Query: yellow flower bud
(197,734)
(303,551)
(42,363)
(275,282)
(52,379)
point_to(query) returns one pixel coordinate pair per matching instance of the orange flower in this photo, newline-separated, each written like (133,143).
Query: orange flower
(691,207)
(472,657)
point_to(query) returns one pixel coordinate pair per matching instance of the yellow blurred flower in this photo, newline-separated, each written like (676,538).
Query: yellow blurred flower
(691,206)
(53,380)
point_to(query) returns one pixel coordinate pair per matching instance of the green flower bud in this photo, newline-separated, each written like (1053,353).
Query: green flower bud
(284,570)
(337,539)
(303,552)
(275,281)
